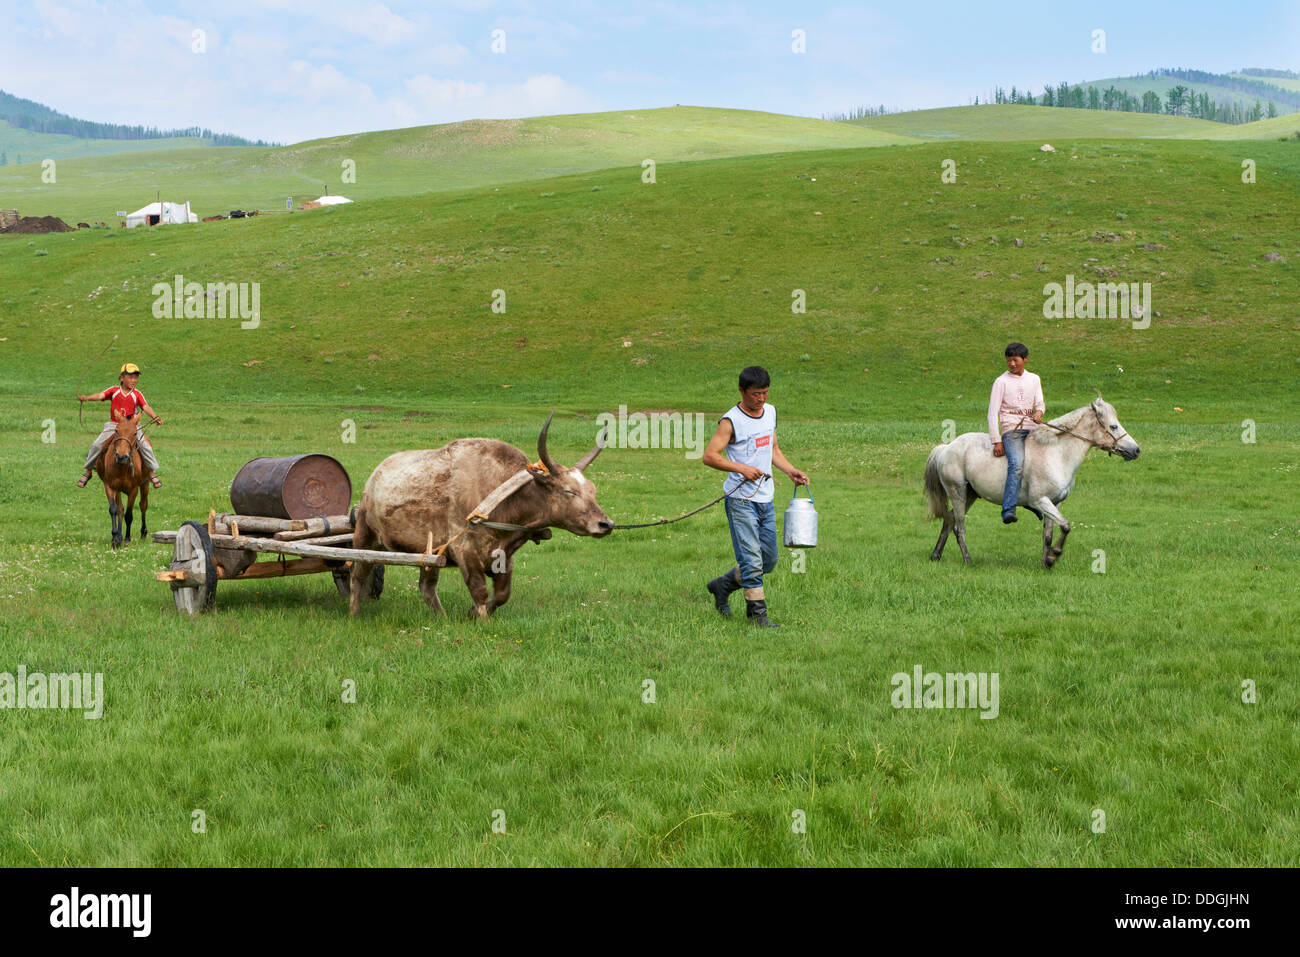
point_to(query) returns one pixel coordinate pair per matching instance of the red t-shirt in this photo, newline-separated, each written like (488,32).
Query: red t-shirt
(123,401)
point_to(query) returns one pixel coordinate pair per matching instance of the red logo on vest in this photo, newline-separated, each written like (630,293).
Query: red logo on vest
(762,441)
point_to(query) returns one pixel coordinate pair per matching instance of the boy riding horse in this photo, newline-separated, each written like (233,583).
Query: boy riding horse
(126,399)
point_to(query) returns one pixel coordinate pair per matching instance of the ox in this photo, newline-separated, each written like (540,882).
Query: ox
(413,496)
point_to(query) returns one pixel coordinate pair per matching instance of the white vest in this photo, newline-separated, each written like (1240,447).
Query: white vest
(751,444)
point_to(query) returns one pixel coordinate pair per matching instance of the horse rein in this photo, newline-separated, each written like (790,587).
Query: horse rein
(1112,449)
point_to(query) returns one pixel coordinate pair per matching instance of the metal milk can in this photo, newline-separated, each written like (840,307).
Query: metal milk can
(801,521)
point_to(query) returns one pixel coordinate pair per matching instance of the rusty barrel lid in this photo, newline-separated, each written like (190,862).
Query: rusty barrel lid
(300,486)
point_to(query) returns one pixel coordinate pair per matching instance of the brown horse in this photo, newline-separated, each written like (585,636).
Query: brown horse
(121,470)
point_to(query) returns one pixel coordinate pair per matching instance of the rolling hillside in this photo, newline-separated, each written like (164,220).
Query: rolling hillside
(419,159)
(1017,122)
(1160,84)
(29,147)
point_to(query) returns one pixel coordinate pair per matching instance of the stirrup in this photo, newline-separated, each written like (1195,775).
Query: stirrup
(155,481)
(85,477)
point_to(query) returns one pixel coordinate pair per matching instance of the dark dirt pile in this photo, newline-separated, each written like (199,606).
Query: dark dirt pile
(11,222)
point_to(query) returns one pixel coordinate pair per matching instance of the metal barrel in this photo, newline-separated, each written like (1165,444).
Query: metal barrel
(301,486)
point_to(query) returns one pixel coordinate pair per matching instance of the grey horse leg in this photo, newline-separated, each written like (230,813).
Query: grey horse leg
(943,537)
(1052,514)
(959,506)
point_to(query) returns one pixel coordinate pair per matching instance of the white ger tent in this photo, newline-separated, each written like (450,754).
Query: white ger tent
(160,213)
(331,200)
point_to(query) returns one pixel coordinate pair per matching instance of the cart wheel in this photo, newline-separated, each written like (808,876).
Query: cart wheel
(343,581)
(193,554)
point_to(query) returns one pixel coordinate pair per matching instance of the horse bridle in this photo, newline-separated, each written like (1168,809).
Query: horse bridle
(1112,449)
(133,443)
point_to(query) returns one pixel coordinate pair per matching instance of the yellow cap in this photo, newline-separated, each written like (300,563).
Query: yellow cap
(131,367)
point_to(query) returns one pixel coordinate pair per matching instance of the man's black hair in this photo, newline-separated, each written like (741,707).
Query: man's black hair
(754,377)
(1018,349)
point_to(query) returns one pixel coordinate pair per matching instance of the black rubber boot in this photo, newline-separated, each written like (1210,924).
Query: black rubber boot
(721,589)
(756,612)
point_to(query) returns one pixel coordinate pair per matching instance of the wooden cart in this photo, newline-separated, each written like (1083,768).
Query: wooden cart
(227,548)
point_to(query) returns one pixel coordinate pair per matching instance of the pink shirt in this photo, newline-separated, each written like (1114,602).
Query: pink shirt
(1014,397)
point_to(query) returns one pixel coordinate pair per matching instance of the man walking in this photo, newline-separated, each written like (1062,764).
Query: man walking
(747,433)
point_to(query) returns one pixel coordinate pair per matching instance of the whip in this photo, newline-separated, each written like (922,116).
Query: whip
(83,376)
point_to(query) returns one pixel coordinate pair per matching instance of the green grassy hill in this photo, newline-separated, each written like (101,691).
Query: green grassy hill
(1275,128)
(1286,82)
(29,147)
(1138,85)
(1016,122)
(418,160)
(1121,689)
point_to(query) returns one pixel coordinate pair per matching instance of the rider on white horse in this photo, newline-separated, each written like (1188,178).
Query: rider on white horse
(1015,407)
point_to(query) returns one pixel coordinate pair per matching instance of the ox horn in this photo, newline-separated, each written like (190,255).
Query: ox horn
(591,456)
(542,454)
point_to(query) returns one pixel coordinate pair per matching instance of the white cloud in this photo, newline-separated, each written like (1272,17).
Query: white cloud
(60,18)
(430,91)
(375,22)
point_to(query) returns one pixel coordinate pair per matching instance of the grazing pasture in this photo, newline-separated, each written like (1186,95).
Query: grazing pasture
(1121,690)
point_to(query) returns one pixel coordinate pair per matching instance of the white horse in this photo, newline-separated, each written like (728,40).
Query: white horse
(966,469)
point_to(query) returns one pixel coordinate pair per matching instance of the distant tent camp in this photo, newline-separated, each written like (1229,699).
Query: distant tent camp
(324,201)
(156,214)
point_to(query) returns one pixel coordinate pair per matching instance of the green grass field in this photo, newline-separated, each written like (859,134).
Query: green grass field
(414,161)
(1120,691)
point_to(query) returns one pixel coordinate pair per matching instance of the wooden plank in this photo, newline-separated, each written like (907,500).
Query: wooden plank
(258,523)
(169,538)
(324,551)
(343,539)
(317,528)
(272,569)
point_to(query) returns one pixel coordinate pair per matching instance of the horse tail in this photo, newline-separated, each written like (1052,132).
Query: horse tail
(936,495)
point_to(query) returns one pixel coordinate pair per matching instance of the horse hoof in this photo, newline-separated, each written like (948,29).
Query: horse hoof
(935,557)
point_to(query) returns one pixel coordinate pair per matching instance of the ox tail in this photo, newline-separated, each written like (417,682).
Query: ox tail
(935,494)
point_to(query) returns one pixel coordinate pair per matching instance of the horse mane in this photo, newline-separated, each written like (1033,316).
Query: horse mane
(1064,422)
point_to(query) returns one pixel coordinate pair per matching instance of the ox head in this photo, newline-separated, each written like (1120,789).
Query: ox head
(570,496)
(1112,435)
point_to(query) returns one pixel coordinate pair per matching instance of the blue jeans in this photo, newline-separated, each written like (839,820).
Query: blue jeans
(753,539)
(1013,444)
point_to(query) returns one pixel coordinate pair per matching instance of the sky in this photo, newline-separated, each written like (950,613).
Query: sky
(293,70)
